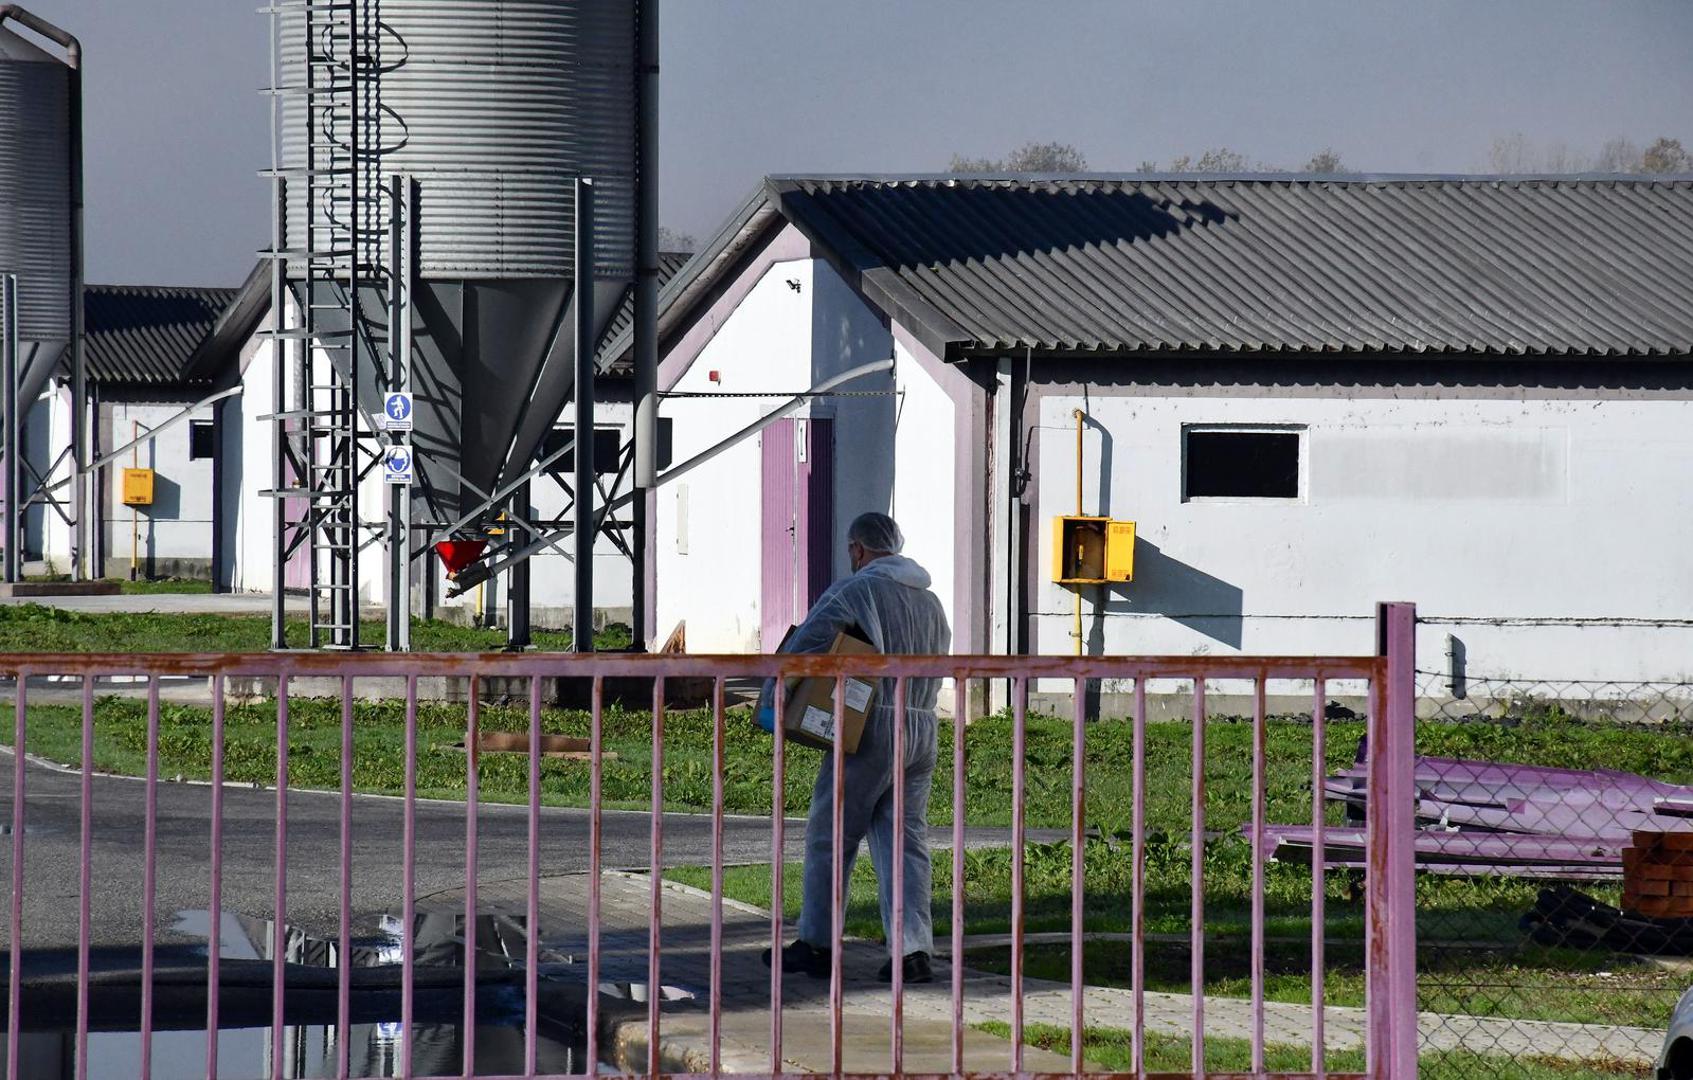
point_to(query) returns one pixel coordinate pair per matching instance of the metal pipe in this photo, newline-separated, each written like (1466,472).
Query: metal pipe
(1077,593)
(14,427)
(646,305)
(582,626)
(480,572)
(402,252)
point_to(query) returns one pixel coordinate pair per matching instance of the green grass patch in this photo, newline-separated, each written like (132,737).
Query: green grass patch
(1112,1049)
(40,628)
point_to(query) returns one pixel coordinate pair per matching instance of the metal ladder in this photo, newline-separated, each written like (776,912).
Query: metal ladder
(329,440)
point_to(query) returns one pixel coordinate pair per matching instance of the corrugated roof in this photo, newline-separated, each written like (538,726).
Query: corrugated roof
(623,320)
(146,335)
(1478,266)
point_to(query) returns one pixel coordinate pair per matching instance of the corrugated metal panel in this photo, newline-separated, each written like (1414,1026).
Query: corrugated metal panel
(495,107)
(1406,265)
(35,190)
(143,335)
(623,322)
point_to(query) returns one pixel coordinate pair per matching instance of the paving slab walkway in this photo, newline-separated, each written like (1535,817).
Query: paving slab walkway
(868,1006)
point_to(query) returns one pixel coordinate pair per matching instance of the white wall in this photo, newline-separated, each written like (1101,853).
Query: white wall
(799,325)
(248,457)
(925,445)
(708,559)
(179,523)
(1535,514)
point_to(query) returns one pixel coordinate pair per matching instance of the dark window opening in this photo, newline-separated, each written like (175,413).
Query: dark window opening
(200,441)
(1242,464)
(608,449)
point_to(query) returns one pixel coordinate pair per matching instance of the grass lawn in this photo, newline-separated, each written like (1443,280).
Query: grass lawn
(39,628)
(1112,1049)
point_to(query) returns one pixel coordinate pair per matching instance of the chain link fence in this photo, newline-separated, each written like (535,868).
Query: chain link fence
(1538,955)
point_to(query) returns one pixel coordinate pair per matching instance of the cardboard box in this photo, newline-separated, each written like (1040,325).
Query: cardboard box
(809,714)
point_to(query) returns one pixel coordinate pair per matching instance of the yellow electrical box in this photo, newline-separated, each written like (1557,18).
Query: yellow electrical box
(1092,551)
(138,487)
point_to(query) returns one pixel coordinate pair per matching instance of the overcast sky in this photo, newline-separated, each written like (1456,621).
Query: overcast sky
(176,130)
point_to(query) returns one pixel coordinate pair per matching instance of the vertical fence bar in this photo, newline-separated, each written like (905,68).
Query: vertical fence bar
(778,866)
(897,1036)
(1019,792)
(344,940)
(1078,811)
(472,791)
(1390,886)
(408,886)
(278,985)
(717,763)
(654,929)
(837,907)
(1319,863)
(1260,753)
(596,781)
(20,710)
(149,877)
(84,921)
(960,719)
(1197,843)
(1137,884)
(532,939)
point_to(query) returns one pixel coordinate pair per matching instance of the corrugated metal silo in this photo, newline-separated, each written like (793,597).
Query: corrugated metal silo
(493,107)
(36,193)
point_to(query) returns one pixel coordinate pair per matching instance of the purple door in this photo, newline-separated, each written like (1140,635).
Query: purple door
(797,532)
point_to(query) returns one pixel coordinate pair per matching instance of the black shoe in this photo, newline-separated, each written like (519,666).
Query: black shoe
(917,969)
(803,958)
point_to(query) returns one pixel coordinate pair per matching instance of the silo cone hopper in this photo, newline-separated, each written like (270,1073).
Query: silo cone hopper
(493,369)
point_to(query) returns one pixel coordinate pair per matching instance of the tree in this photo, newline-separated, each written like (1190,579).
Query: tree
(1325,161)
(1512,154)
(1618,155)
(671,240)
(1032,157)
(1666,156)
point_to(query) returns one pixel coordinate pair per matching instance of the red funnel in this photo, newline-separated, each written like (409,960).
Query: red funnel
(458,554)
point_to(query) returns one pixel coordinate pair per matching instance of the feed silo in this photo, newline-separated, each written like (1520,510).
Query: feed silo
(40,234)
(491,109)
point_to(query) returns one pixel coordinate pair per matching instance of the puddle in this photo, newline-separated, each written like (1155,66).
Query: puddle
(306,1052)
(310,1050)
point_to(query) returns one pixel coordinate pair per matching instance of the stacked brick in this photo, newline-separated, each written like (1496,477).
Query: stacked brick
(1657,875)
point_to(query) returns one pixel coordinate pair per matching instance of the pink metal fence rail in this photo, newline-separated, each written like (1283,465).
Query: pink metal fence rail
(1391,1032)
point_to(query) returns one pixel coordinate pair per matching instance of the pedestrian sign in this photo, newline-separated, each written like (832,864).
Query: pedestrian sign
(396,412)
(397,465)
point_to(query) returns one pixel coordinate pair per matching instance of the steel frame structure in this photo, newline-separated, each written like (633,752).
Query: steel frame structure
(327,335)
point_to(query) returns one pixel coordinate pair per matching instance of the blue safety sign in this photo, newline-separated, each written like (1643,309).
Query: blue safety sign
(397,465)
(396,412)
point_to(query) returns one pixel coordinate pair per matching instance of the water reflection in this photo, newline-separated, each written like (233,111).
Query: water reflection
(309,1045)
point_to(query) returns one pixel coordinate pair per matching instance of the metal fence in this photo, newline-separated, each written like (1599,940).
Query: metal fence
(1533,948)
(97,863)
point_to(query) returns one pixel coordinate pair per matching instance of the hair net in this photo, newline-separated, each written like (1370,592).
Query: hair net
(876,532)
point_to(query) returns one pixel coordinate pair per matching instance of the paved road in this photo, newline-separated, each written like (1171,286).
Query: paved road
(52,861)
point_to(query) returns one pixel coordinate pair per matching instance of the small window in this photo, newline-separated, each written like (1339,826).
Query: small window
(1241,463)
(200,441)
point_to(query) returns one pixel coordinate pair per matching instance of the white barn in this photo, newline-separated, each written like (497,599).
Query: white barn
(1310,394)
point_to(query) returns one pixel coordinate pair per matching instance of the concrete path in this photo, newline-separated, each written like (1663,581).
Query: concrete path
(868,1006)
(169,603)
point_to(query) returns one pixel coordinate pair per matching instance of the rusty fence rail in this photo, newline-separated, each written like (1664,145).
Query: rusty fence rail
(1389,1017)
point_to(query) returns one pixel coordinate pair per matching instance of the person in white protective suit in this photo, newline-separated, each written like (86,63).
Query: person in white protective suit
(887,602)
